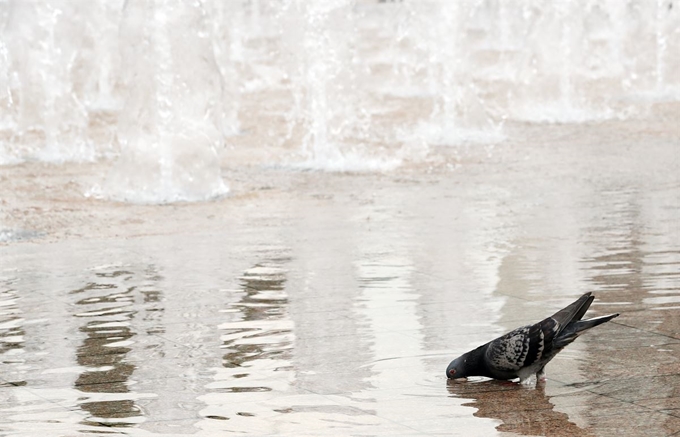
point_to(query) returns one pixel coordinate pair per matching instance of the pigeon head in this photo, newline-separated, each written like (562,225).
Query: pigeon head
(457,368)
(468,364)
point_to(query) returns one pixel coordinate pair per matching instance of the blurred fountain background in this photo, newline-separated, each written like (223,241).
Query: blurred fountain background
(170,91)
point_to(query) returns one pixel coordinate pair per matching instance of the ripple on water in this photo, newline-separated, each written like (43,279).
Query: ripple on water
(12,333)
(108,308)
(257,345)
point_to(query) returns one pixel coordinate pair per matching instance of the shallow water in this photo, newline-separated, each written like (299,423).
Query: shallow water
(330,304)
(314,303)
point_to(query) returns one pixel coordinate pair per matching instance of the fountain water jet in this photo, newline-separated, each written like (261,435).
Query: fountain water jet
(170,129)
(328,84)
(41,59)
(460,114)
(329,112)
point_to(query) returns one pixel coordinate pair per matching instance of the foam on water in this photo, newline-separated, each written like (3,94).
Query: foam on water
(340,85)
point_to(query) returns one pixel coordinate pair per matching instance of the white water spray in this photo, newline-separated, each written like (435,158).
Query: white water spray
(170,129)
(344,85)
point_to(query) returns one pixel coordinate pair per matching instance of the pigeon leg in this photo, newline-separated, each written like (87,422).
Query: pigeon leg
(540,375)
(527,380)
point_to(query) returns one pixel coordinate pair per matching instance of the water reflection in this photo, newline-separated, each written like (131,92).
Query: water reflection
(617,265)
(389,306)
(637,269)
(106,307)
(635,266)
(521,410)
(264,300)
(11,330)
(257,345)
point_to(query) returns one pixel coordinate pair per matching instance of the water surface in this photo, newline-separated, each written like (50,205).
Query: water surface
(333,308)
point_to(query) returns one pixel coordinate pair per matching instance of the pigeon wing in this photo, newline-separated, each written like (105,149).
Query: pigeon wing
(520,348)
(530,344)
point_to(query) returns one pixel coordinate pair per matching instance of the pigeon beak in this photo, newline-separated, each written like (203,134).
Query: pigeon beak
(452,382)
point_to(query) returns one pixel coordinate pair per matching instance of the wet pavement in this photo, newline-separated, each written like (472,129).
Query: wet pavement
(310,303)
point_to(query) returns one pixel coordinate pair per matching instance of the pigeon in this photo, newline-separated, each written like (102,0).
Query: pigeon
(524,352)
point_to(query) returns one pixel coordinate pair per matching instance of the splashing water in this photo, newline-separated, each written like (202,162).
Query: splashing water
(170,127)
(329,114)
(40,62)
(161,86)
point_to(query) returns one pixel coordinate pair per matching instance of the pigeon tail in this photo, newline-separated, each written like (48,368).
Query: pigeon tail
(576,328)
(575,311)
(583,325)
(579,314)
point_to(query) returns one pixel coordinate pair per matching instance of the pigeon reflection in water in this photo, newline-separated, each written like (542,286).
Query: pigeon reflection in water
(523,410)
